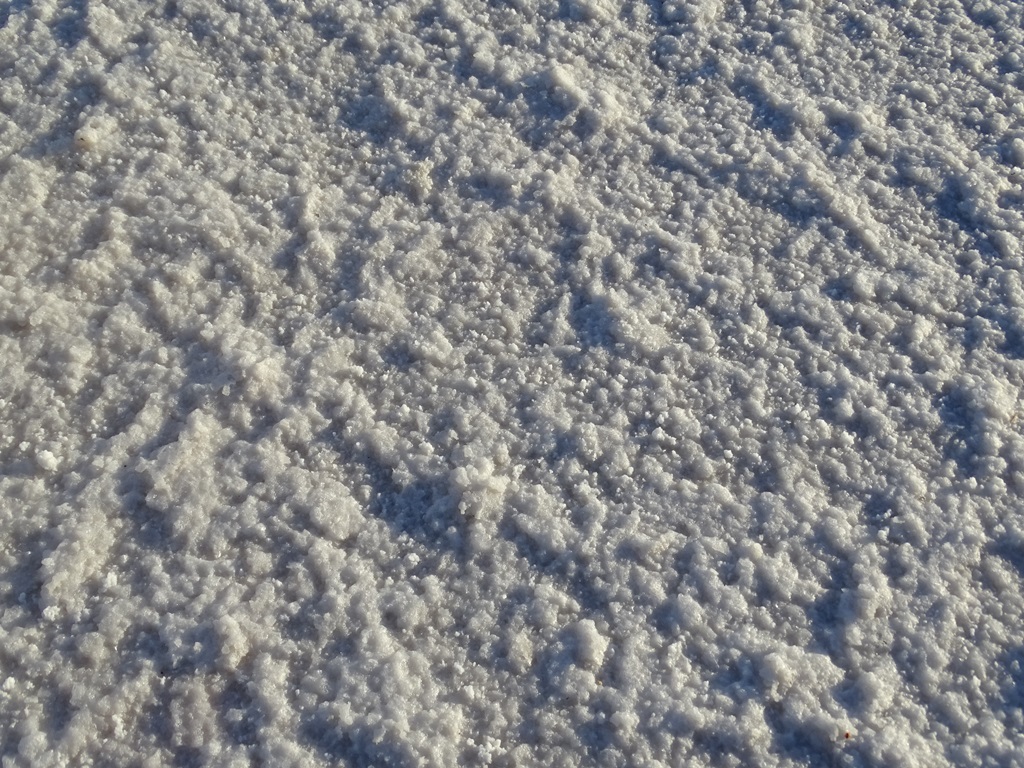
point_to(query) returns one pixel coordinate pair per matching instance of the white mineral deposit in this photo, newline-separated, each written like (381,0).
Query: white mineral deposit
(625,383)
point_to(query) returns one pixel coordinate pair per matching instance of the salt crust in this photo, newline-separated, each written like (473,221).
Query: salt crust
(543,383)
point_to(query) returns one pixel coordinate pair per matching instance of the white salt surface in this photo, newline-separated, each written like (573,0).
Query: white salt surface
(449,382)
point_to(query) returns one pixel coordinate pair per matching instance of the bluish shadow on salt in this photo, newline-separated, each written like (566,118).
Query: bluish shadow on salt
(149,526)
(424,510)
(539,114)
(480,187)
(598,734)
(287,257)
(829,613)
(1011,549)
(953,204)
(592,322)
(301,620)
(766,115)
(653,262)
(666,15)
(371,115)
(10,739)
(240,715)
(59,137)
(352,748)
(856,30)
(71,28)
(327,24)
(59,712)
(987,16)
(398,354)
(205,376)
(996,316)
(668,619)
(567,568)
(911,660)
(558,446)
(10,8)
(23,582)
(198,654)
(188,757)
(541,101)
(881,514)
(829,397)
(200,27)
(961,429)
(843,136)
(723,747)
(1010,698)
(551,665)
(1013,338)
(737,677)
(144,645)
(672,51)
(790,198)
(798,742)
(154,721)
(281,10)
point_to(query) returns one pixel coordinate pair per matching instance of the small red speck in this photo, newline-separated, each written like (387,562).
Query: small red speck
(846,735)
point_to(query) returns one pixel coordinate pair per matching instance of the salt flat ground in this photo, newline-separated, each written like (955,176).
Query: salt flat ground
(540,383)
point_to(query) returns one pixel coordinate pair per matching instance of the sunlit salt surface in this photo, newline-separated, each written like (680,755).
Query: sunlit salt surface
(542,383)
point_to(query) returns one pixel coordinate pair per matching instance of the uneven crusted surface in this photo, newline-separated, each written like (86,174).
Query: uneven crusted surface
(544,383)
